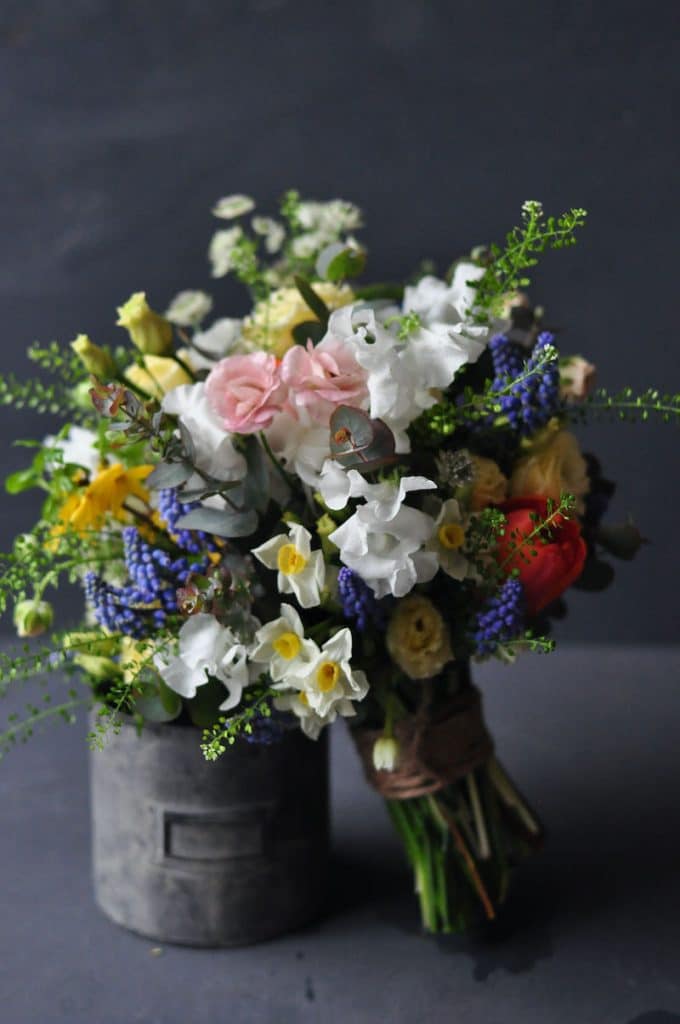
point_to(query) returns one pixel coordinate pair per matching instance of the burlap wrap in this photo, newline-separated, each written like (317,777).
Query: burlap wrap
(436,748)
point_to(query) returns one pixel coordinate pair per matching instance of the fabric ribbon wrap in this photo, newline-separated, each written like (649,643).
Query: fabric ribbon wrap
(436,746)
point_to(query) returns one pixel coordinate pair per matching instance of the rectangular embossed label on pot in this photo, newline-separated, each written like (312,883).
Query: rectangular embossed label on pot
(205,836)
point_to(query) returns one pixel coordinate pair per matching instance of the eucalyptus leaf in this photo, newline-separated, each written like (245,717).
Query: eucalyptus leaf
(256,486)
(314,301)
(358,442)
(623,540)
(221,522)
(157,703)
(169,474)
(187,442)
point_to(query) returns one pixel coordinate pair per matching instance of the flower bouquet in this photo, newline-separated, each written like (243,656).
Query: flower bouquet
(325,509)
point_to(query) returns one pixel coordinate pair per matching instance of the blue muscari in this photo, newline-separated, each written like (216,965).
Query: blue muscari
(358,601)
(502,618)
(533,400)
(171,509)
(154,576)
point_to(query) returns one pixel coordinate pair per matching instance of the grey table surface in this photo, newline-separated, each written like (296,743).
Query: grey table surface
(592,935)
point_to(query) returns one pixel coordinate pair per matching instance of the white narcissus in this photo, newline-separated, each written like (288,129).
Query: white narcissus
(206,649)
(448,540)
(215,452)
(301,571)
(328,687)
(384,540)
(281,645)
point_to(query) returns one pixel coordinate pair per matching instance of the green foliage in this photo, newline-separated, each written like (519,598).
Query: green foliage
(20,730)
(256,703)
(507,268)
(631,407)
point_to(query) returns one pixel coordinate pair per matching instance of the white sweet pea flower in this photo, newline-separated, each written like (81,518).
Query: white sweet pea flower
(338,485)
(213,344)
(188,308)
(448,540)
(302,447)
(206,650)
(281,645)
(301,571)
(221,251)
(433,356)
(383,541)
(215,452)
(453,305)
(78,448)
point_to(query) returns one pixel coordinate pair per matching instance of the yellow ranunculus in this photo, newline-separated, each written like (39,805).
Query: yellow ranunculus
(157,376)
(553,466)
(106,494)
(418,639)
(148,330)
(272,321)
(489,486)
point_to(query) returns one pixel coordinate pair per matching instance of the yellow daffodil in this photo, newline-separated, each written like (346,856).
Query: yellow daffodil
(106,494)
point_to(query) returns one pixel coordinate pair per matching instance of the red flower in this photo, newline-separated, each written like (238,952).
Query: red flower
(551,561)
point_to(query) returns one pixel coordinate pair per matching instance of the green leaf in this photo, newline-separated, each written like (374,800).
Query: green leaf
(169,474)
(204,707)
(358,442)
(623,540)
(158,703)
(314,301)
(20,481)
(596,575)
(310,330)
(338,261)
(256,483)
(220,522)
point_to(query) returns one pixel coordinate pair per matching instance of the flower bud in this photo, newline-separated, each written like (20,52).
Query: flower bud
(32,618)
(81,395)
(149,331)
(98,668)
(385,754)
(577,378)
(95,359)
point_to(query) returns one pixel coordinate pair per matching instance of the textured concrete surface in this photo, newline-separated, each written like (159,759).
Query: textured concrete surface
(591,937)
(123,122)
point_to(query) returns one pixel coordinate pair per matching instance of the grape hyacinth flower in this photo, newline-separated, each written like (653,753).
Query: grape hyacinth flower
(535,399)
(358,601)
(142,605)
(171,509)
(502,618)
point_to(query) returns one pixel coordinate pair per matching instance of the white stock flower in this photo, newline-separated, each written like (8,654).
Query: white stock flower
(301,571)
(233,206)
(271,230)
(281,645)
(383,541)
(221,251)
(77,447)
(206,650)
(188,308)
(215,452)
(448,540)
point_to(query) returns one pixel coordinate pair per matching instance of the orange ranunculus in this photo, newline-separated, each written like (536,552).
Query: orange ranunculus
(551,561)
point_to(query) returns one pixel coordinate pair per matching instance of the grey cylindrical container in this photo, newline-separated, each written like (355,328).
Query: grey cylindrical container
(209,854)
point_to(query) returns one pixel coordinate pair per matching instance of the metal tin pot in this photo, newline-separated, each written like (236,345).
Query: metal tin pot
(209,854)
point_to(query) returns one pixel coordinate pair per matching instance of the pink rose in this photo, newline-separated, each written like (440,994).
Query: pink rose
(246,391)
(319,379)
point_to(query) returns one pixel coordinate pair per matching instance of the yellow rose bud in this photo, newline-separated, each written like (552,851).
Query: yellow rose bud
(271,324)
(489,486)
(95,359)
(553,466)
(157,375)
(149,331)
(418,639)
(33,618)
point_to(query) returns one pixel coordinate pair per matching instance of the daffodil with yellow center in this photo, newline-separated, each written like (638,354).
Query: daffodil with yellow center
(449,540)
(330,684)
(327,675)
(301,571)
(107,494)
(280,645)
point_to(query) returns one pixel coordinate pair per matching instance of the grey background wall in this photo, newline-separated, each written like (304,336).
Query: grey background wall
(123,122)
